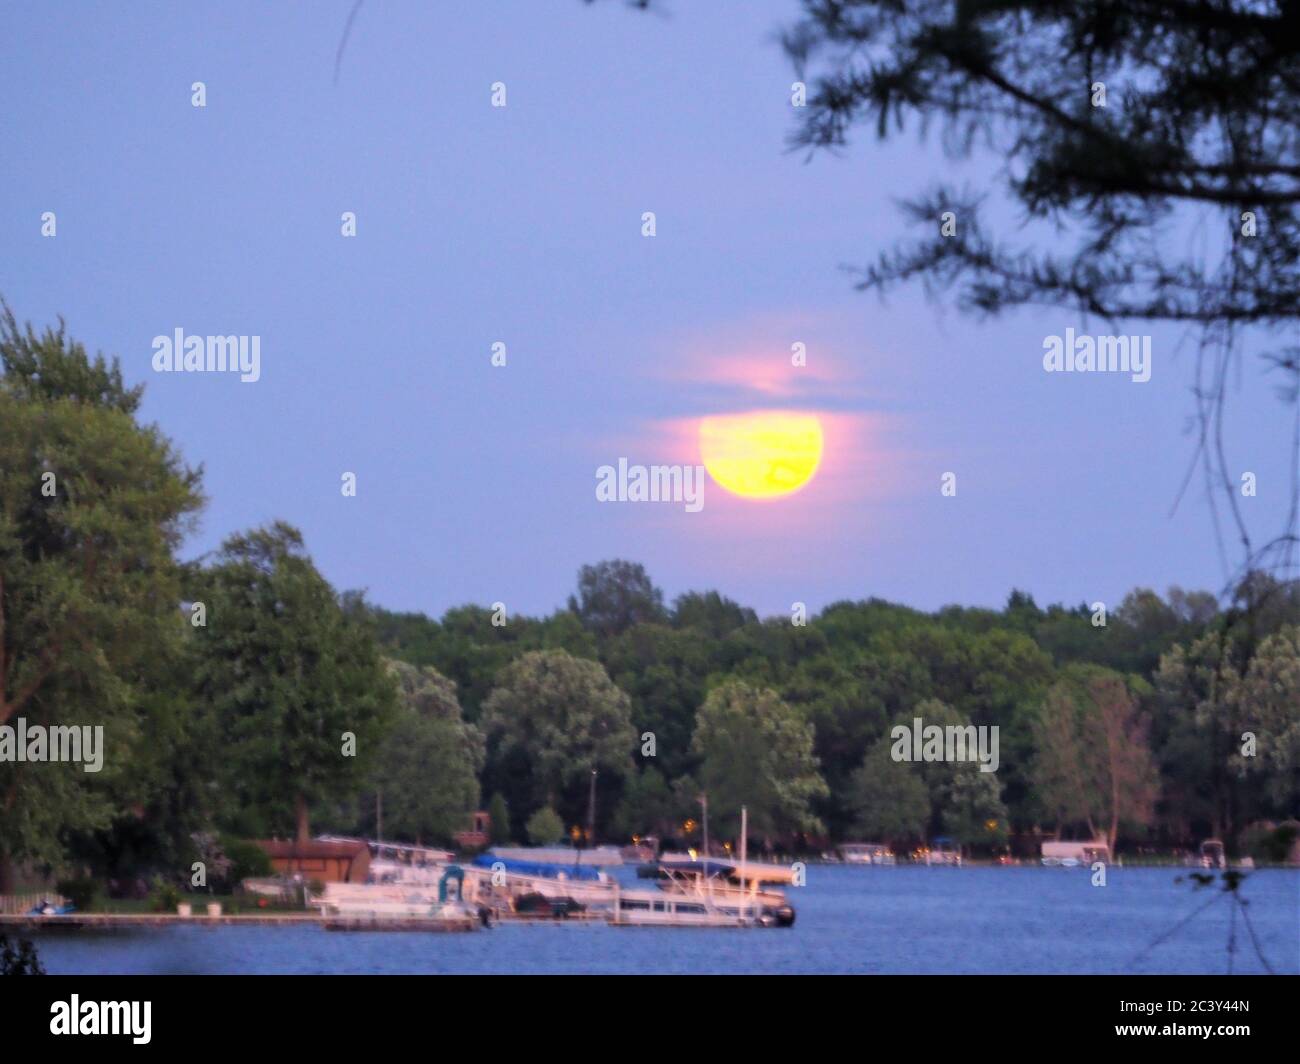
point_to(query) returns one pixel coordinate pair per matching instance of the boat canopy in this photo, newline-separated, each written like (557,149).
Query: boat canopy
(538,869)
(706,868)
(745,871)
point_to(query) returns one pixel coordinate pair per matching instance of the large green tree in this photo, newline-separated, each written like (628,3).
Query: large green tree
(552,720)
(1094,765)
(296,685)
(960,799)
(889,799)
(1269,706)
(614,595)
(1200,732)
(428,763)
(93,505)
(756,751)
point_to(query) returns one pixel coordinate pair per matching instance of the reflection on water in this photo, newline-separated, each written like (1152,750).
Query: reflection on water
(852,920)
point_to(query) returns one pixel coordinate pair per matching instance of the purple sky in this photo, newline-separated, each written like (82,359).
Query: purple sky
(523,225)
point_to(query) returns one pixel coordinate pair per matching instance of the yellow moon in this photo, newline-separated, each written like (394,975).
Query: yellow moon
(761,455)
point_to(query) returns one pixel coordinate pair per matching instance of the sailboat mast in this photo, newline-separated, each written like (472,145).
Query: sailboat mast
(744,840)
(704,802)
(744,833)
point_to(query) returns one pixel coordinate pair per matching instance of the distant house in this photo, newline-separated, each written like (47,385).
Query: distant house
(329,862)
(478,834)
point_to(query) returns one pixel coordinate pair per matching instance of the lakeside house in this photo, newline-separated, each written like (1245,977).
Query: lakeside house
(478,834)
(333,861)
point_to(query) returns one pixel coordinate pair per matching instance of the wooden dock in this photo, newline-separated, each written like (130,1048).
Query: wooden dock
(399,923)
(130,921)
(115,921)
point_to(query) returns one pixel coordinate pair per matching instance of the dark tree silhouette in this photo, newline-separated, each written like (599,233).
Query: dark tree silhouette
(19,958)
(1119,126)
(614,595)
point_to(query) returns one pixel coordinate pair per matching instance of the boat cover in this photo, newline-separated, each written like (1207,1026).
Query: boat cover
(540,871)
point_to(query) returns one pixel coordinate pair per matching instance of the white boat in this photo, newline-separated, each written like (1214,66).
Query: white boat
(708,892)
(866,853)
(1056,854)
(649,908)
(498,882)
(1212,854)
(734,888)
(358,906)
(942,853)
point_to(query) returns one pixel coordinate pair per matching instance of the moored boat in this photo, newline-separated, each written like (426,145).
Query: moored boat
(866,853)
(733,890)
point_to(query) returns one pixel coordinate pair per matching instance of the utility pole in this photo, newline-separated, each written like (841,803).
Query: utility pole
(744,833)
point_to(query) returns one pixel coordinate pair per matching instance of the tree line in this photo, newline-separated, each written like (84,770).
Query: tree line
(242,696)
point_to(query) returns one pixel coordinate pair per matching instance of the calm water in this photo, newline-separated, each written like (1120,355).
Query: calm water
(851,920)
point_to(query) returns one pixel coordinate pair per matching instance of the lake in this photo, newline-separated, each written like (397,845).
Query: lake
(859,920)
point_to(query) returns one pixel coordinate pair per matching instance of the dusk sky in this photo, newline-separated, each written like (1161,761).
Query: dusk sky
(523,224)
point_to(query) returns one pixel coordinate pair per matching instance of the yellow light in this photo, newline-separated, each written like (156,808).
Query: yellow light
(761,455)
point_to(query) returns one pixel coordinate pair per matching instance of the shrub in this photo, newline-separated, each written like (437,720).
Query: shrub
(1269,844)
(499,820)
(166,896)
(247,860)
(545,827)
(81,891)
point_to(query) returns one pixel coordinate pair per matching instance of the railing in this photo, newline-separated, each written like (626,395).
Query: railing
(17,904)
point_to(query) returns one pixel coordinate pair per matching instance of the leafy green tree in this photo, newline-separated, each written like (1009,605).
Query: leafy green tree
(755,750)
(963,801)
(93,506)
(649,806)
(889,799)
(470,645)
(499,818)
(711,613)
(1199,731)
(545,828)
(550,722)
(428,763)
(664,671)
(614,595)
(297,688)
(1268,705)
(972,808)
(1094,764)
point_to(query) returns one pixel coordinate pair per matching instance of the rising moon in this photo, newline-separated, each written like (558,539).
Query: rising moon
(761,455)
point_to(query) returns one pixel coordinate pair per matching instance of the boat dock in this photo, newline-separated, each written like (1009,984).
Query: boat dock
(404,923)
(115,921)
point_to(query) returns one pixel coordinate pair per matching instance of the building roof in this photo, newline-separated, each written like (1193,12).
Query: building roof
(314,849)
